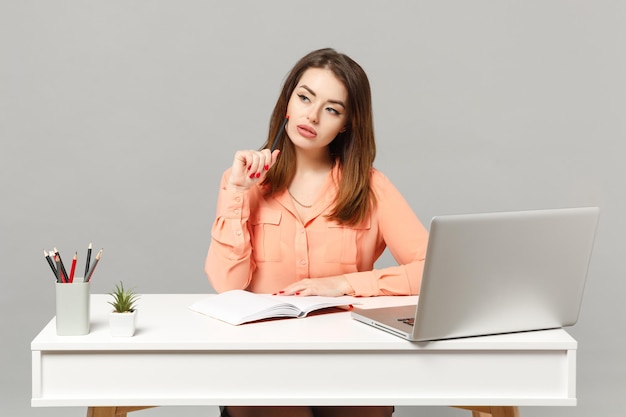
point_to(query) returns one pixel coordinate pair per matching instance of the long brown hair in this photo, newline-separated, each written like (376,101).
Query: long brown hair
(354,149)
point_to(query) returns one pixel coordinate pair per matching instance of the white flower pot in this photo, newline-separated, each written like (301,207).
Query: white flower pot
(123,324)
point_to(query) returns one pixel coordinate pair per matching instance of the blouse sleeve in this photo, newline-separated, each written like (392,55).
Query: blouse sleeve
(406,238)
(229,264)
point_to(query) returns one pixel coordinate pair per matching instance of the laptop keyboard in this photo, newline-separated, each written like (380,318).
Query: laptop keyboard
(409,320)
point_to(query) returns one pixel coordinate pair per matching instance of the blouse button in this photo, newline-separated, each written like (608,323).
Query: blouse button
(303,262)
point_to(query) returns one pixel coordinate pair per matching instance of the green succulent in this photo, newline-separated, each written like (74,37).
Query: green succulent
(123,299)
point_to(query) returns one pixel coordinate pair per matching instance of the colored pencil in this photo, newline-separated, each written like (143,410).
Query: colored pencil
(63,271)
(93,267)
(49,259)
(279,134)
(88,260)
(73,268)
(59,273)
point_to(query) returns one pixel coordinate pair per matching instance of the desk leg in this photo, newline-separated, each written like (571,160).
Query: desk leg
(112,411)
(488,411)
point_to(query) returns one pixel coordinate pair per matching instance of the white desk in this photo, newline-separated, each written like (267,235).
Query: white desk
(179,357)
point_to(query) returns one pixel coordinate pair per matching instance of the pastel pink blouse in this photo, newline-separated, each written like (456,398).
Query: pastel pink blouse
(260,243)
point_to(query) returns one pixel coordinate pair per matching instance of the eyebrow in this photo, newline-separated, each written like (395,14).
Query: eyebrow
(339,102)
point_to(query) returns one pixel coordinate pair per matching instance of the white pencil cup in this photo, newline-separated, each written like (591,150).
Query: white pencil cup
(72,308)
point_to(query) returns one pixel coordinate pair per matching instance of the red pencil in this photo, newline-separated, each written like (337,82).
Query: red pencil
(73,266)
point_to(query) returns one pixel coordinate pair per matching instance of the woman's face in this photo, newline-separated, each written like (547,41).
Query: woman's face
(317,109)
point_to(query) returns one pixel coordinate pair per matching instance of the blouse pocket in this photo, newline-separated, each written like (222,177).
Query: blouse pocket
(341,245)
(266,242)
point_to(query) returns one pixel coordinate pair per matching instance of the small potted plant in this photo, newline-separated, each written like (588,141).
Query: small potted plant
(123,318)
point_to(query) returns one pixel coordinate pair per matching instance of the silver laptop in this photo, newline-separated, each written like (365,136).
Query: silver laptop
(497,273)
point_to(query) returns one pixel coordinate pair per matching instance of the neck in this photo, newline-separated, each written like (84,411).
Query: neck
(313,161)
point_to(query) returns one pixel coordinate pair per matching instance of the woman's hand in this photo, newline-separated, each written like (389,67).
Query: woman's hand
(249,167)
(328,287)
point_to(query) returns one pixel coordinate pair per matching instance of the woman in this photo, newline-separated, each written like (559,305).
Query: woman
(312,216)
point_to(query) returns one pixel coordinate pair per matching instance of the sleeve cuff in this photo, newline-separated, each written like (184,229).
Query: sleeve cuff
(231,204)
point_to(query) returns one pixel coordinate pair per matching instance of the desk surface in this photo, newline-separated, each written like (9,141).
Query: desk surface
(180,357)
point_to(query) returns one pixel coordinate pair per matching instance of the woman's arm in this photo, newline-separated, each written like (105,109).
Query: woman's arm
(228,263)
(406,238)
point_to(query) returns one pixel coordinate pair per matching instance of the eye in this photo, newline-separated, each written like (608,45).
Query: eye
(333,111)
(303,98)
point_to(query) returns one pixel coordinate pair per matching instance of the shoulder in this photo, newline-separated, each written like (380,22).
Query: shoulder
(382,187)
(378,180)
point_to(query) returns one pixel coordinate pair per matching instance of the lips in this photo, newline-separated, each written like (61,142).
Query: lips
(306,131)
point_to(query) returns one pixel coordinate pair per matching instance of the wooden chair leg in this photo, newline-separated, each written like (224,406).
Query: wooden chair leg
(113,411)
(101,412)
(505,411)
(480,414)
(492,411)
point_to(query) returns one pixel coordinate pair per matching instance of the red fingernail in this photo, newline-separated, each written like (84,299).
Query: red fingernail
(281,292)
(249,166)
(252,175)
(258,175)
(266,167)
(298,293)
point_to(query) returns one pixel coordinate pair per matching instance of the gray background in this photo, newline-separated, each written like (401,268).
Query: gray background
(118,117)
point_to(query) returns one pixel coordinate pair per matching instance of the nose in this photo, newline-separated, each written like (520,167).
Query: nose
(313,115)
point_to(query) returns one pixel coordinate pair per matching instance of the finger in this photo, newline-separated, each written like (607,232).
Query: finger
(244,160)
(239,161)
(293,289)
(252,162)
(258,166)
(238,174)
(305,292)
(274,157)
(261,163)
(287,291)
(248,167)
(264,162)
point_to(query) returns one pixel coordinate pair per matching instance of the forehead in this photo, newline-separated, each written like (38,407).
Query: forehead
(324,83)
